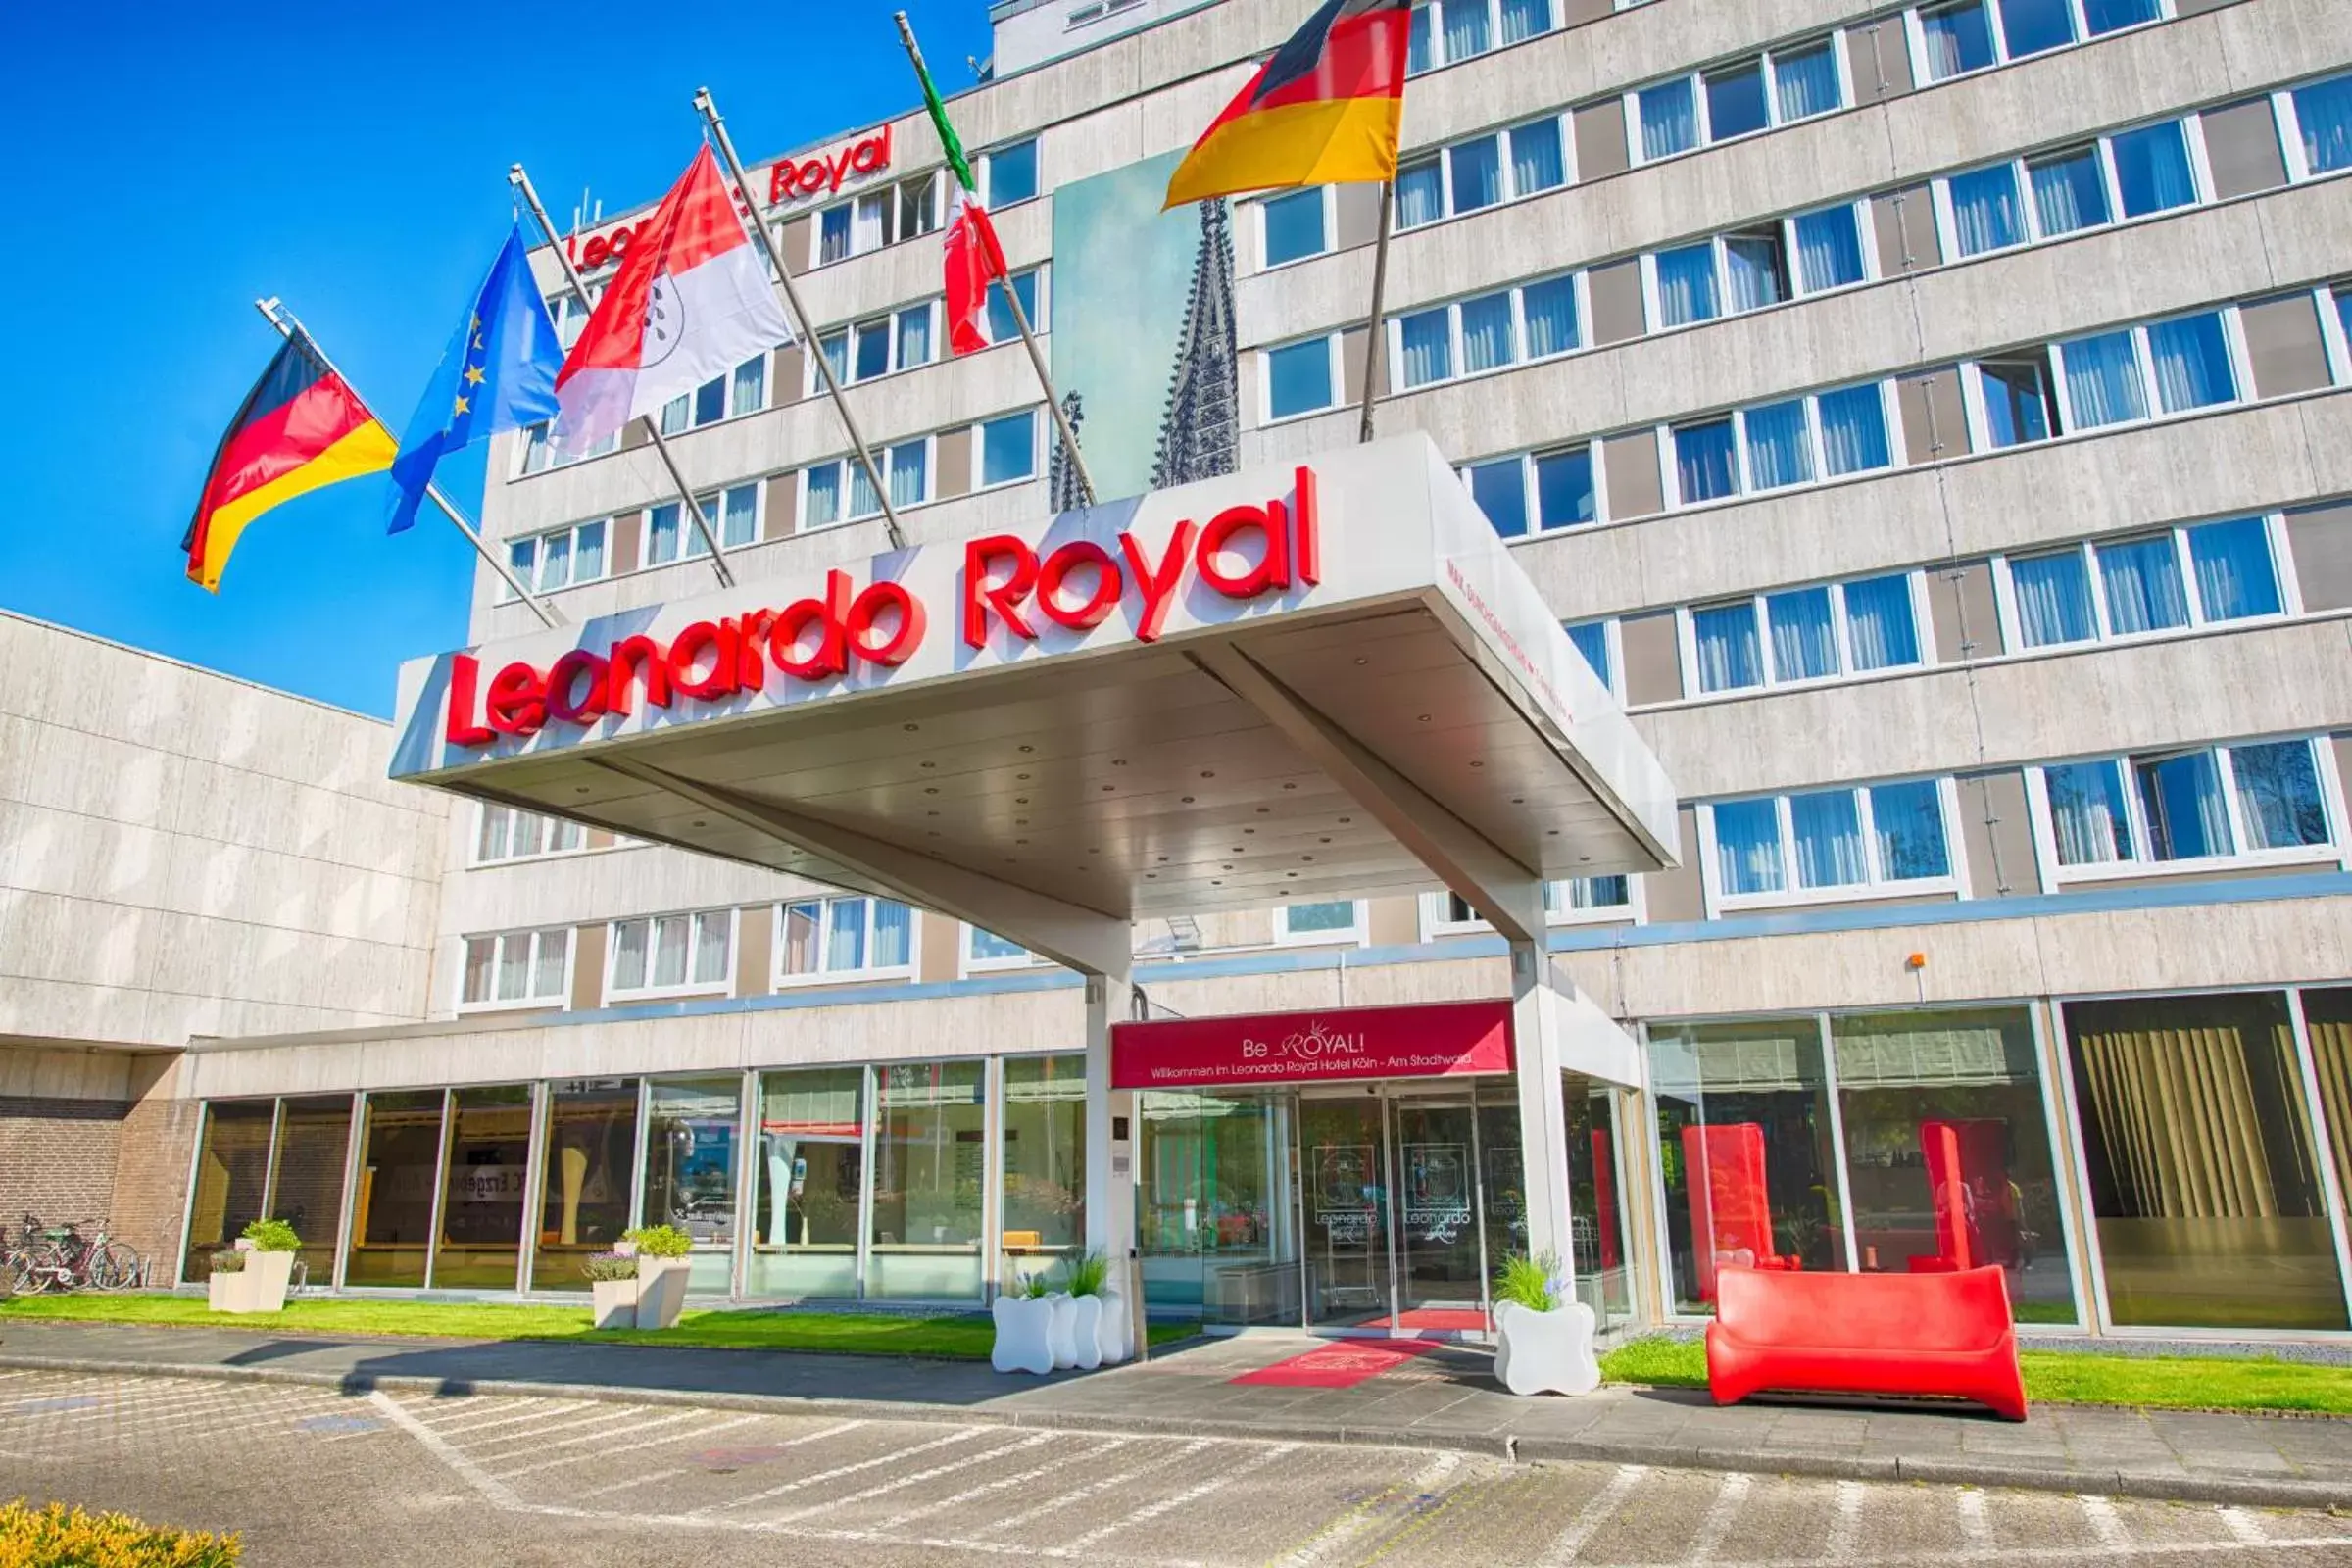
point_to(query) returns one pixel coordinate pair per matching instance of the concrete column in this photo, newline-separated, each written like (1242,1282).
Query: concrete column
(1537,1029)
(1111,1133)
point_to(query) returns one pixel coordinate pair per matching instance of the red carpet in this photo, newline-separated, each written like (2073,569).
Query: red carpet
(1338,1366)
(1436,1320)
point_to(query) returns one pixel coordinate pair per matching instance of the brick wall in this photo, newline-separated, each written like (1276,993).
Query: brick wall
(150,1173)
(58,1159)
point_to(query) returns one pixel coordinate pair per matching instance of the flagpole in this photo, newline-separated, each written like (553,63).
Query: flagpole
(708,107)
(292,330)
(694,508)
(1375,351)
(1020,316)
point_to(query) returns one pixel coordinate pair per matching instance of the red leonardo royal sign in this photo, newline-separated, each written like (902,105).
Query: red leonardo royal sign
(1435,1040)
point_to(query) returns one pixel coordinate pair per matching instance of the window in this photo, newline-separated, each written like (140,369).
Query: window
(2259,800)
(905,468)
(2132,174)
(1592,639)
(672,954)
(1008,449)
(744,390)
(507,834)
(1001,327)
(1956,38)
(2192,576)
(1829,250)
(1751,269)
(2186,362)
(1499,166)
(1962,37)
(1840,843)
(1807,634)
(1536,492)
(1444,31)
(733,515)
(2324,113)
(1532,322)
(1985,212)
(1706,461)
(2152,170)
(829,938)
(2015,396)
(984,950)
(1775,446)
(1570,901)
(516,969)
(874,218)
(1299,378)
(2070,191)
(1338,922)
(880,346)
(1008,175)
(540,452)
(2036,27)
(1295,227)
(1739,99)
(549,562)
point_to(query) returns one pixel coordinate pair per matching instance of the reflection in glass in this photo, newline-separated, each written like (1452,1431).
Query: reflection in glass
(1441,1270)
(591,1176)
(1044,1160)
(1345,1183)
(2327,1017)
(1948,1152)
(232,1174)
(1215,1206)
(808,1175)
(690,1146)
(313,1137)
(1603,1261)
(930,1151)
(2203,1173)
(400,1169)
(482,1204)
(1743,1138)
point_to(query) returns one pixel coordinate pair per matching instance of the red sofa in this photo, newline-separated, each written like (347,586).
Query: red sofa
(1918,1334)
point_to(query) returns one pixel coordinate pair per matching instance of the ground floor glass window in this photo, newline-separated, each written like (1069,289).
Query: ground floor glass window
(590,1177)
(482,1205)
(232,1180)
(306,1185)
(1216,1207)
(690,1166)
(807,1165)
(930,1168)
(399,1174)
(1045,1162)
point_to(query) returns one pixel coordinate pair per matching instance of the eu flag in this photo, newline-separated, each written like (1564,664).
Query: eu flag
(499,375)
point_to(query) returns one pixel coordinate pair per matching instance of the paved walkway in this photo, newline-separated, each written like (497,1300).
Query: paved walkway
(1443,1402)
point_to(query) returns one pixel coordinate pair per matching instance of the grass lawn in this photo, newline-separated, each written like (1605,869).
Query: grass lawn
(965,1337)
(2054,1377)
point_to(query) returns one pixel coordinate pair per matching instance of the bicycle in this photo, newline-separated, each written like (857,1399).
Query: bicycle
(61,1259)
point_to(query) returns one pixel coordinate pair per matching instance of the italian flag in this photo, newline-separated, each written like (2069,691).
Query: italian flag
(974,260)
(691,302)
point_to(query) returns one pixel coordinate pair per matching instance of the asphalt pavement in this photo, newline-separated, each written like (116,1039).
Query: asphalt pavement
(318,1475)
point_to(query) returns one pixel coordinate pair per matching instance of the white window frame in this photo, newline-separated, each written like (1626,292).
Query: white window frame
(533,440)
(1767,68)
(554,827)
(1501,136)
(984,166)
(889,192)
(538,542)
(848,471)
(2274,531)
(1923,636)
(2290,122)
(536,937)
(1330,224)
(1974,406)
(1915,34)
(1612,631)
(823,976)
(2338,851)
(1041,320)
(1038,460)
(1355,936)
(727,409)
(2102,148)
(1437,34)
(812,381)
(1533,493)
(970,962)
(1394,329)
(1874,886)
(690,538)
(613,991)
(2233,342)
(1338,359)
(1436,910)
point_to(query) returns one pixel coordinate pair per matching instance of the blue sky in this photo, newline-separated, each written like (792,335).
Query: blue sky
(166,166)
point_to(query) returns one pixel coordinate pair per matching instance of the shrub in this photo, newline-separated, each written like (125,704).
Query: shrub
(1533,1283)
(1032,1287)
(228,1262)
(272,1235)
(604,1267)
(58,1538)
(659,1241)
(1088,1273)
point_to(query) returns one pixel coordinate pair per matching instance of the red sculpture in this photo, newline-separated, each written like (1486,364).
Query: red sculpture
(1976,1207)
(1731,1210)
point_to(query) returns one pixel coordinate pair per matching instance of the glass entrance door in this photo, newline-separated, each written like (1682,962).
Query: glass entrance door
(1441,1268)
(1345,1191)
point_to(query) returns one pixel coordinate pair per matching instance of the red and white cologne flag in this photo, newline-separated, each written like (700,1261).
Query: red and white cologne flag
(974,260)
(691,302)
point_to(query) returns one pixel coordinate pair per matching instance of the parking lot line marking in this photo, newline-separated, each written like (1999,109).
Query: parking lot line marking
(2244,1528)
(1976,1524)
(919,1476)
(1845,1528)
(1094,1489)
(1596,1513)
(631,1447)
(985,1488)
(1716,1528)
(607,1434)
(1360,1518)
(591,1423)
(441,1448)
(2100,1515)
(1167,1505)
(535,1409)
(959,1434)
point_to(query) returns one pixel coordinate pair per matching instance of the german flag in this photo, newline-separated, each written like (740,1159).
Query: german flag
(301,428)
(1326,110)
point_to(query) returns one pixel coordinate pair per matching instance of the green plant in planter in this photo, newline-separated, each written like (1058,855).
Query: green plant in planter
(606,1267)
(1533,1283)
(659,1241)
(228,1262)
(1088,1273)
(1032,1287)
(272,1235)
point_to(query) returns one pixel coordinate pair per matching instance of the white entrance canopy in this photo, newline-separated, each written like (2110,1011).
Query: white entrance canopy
(1314,683)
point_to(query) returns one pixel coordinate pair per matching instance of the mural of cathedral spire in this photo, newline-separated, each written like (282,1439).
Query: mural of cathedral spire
(1200,429)
(1061,478)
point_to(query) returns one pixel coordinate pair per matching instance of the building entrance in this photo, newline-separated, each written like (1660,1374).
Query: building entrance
(1392,1195)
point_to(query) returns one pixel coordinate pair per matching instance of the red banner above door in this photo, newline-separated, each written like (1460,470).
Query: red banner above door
(1435,1041)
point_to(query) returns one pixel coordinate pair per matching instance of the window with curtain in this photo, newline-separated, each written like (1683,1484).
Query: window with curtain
(2088,818)
(1293,226)
(1466,29)
(2052,594)
(915,337)
(2324,113)
(519,966)
(1687,290)
(662,533)
(2103,384)
(1550,309)
(2236,578)
(710,401)
(1829,249)
(1523,20)
(2142,580)
(1420,49)
(1731,654)
(864,500)
(1737,104)
(1805,81)
(2016,398)
(1984,210)
(1805,634)
(1564,495)
(986,947)
(2192,357)
(1299,378)
(1882,626)
(871,357)
(2181,801)
(1853,430)
(2278,797)
(845,936)
(1426,341)
(2070,191)
(2152,170)
(2036,27)
(1756,269)
(1488,337)
(1476,167)
(1420,194)
(738,520)
(1779,446)
(1827,829)
(1669,113)
(1706,461)
(2110,16)
(1501,491)
(1747,848)
(910,474)
(1537,162)
(1958,38)
(835,347)
(747,391)
(671,952)
(1908,832)
(1591,640)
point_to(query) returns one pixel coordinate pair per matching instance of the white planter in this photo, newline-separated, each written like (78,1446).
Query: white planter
(660,1291)
(1062,1337)
(224,1293)
(615,1302)
(1545,1352)
(1114,1334)
(260,1286)
(1024,1334)
(1086,1332)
